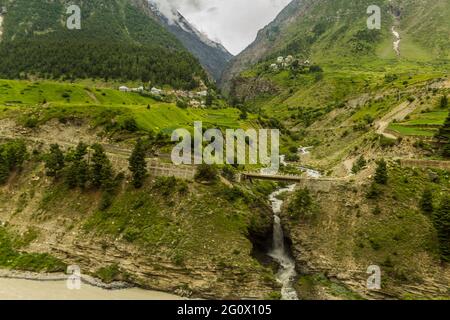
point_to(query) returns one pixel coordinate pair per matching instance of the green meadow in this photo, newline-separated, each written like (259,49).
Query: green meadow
(47,100)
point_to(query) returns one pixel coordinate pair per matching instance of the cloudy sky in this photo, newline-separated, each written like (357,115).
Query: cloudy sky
(234,23)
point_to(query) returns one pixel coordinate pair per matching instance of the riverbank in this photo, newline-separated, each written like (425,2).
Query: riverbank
(35,286)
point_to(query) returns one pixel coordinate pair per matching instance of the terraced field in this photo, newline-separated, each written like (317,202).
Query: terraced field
(422,124)
(46,100)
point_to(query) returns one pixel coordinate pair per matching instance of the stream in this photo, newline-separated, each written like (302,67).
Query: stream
(286,274)
(396,41)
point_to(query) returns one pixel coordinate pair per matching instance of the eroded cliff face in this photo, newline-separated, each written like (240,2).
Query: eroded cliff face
(190,243)
(348,233)
(246,89)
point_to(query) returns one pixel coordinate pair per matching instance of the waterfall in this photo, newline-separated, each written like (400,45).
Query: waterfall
(286,274)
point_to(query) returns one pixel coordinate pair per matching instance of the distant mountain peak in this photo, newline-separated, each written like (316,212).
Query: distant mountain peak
(211,54)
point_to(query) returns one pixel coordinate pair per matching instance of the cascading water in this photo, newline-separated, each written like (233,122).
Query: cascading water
(286,274)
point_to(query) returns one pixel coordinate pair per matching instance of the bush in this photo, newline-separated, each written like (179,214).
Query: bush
(229,173)
(232,194)
(130,125)
(359,165)
(387,142)
(302,204)
(374,191)
(182,104)
(166,185)
(206,173)
(426,202)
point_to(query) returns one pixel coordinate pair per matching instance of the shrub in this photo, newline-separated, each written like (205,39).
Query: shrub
(426,202)
(374,191)
(229,173)
(359,165)
(302,204)
(207,173)
(130,125)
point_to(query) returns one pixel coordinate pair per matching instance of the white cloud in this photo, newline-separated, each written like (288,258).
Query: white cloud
(234,22)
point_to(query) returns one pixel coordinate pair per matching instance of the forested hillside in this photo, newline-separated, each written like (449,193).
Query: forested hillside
(116,40)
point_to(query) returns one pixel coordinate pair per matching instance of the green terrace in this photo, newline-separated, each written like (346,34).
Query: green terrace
(422,124)
(44,100)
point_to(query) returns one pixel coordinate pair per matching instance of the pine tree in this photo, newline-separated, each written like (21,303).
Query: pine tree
(138,165)
(426,203)
(54,161)
(443,136)
(77,173)
(101,168)
(442,225)
(381,175)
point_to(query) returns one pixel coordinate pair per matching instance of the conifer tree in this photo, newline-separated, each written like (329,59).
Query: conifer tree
(78,172)
(442,225)
(138,165)
(101,168)
(54,161)
(381,174)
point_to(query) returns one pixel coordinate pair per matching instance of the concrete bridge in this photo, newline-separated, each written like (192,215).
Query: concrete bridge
(315,184)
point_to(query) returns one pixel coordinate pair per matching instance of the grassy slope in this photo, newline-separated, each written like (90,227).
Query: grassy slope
(25,97)
(390,232)
(12,257)
(342,98)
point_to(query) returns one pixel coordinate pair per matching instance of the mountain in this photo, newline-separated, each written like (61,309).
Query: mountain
(335,31)
(212,55)
(117,40)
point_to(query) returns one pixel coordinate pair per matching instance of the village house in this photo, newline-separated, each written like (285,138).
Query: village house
(124,89)
(156,91)
(202,93)
(139,89)
(195,103)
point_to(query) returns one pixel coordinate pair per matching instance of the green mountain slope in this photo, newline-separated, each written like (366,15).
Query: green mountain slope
(335,31)
(117,40)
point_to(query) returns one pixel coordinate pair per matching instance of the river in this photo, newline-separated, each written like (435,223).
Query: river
(19,289)
(286,274)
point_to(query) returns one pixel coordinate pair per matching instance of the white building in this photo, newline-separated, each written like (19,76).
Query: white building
(156,91)
(289,59)
(140,89)
(280,60)
(124,89)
